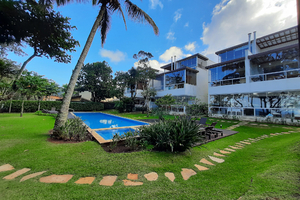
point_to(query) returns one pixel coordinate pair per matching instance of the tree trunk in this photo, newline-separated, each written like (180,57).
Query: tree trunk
(10,105)
(22,109)
(39,105)
(24,65)
(63,113)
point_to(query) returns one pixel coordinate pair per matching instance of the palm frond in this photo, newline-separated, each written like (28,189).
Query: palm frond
(116,6)
(139,15)
(104,24)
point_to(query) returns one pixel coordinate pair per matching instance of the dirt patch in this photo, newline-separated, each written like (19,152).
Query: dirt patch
(56,141)
(120,148)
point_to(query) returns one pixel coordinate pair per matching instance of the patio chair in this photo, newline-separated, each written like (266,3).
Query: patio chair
(202,122)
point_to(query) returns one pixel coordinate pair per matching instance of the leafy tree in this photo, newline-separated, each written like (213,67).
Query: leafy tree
(97,79)
(8,69)
(43,29)
(166,100)
(30,84)
(120,82)
(107,8)
(147,94)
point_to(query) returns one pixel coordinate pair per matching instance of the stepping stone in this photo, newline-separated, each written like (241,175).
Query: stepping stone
(85,180)
(170,176)
(187,173)
(6,167)
(234,147)
(220,155)
(253,124)
(244,142)
(201,168)
(16,174)
(218,160)
(229,149)
(263,125)
(56,178)
(203,160)
(132,183)
(152,176)
(31,176)
(108,180)
(132,176)
(240,144)
(273,134)
(225,152)
(286,133)
(292,131)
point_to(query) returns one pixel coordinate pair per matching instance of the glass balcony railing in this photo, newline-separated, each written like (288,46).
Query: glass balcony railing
(275,75)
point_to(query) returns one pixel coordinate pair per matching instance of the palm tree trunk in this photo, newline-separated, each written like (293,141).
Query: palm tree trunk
(63,113)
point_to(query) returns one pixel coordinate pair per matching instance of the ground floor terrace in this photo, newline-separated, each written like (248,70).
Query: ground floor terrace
(280,104)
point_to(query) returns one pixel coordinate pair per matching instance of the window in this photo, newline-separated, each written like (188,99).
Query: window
(158,82)
(191,77)
(233,54)
(175,80)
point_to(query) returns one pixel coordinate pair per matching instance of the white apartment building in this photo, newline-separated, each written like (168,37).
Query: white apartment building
(185,79)
(257,78)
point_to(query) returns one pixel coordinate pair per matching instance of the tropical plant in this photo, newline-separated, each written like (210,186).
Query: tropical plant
(198,108)
(74,129)
(107,8)
(147,94)
(131,140)
(173,135)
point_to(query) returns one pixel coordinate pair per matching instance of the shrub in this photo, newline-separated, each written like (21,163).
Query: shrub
(177,134)
(39,112)
(74,129)
(160,112)
(131,140)
(197,108)
(32,106)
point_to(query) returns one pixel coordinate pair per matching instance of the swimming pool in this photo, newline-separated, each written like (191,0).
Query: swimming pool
(109,124)
(101,120)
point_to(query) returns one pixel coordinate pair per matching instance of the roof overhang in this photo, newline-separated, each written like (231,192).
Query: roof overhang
(274,50)
(184,68)
(225,63)
(187,58)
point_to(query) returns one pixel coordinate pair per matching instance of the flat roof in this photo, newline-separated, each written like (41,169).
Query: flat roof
(283,36)
(224,63)
(197,54)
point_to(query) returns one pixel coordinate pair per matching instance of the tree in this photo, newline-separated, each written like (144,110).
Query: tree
(121,83)
(107,8)
(27,21)
(166,100)
(97,79)
(8,70)
(147,94)
(30,84)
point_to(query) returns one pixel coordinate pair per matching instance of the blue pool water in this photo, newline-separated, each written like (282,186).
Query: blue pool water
(101,120)
(108,134)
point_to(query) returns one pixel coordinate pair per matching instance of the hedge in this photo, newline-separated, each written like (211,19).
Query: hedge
(32,106)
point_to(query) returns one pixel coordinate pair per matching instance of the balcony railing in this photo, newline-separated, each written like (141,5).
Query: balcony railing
(233,81)
(275,75)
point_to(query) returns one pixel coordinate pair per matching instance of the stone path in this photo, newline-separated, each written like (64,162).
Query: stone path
(236,125)
(109,181)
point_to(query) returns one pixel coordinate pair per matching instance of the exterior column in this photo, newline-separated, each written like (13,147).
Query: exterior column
(247,67)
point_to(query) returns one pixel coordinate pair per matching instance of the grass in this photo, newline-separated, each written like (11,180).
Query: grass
(266,169)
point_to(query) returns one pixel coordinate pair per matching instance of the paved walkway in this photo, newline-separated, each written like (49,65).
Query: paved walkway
(132,179)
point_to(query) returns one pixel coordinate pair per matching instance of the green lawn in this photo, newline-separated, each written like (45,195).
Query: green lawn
(267,168)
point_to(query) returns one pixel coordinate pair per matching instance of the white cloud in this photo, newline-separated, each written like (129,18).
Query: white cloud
(114,56)
(186,24)
(170,36)
(177,15)
(173,51)
(190,47)
(232,20)
(155,3)
(153,64)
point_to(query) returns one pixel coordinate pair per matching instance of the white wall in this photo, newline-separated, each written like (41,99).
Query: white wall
(86,95)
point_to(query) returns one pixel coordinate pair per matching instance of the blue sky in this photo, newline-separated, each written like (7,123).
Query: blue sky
(186,27)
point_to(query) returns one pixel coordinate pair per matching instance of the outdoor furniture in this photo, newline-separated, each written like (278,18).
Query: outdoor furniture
(52,111)
(211,131)
(202,122)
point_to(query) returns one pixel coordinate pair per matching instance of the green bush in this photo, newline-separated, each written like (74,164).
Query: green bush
(177,134)
(32,106)
(39,112)
(74,129)
(197,109)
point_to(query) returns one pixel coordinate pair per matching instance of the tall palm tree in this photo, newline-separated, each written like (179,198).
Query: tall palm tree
(107,8)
